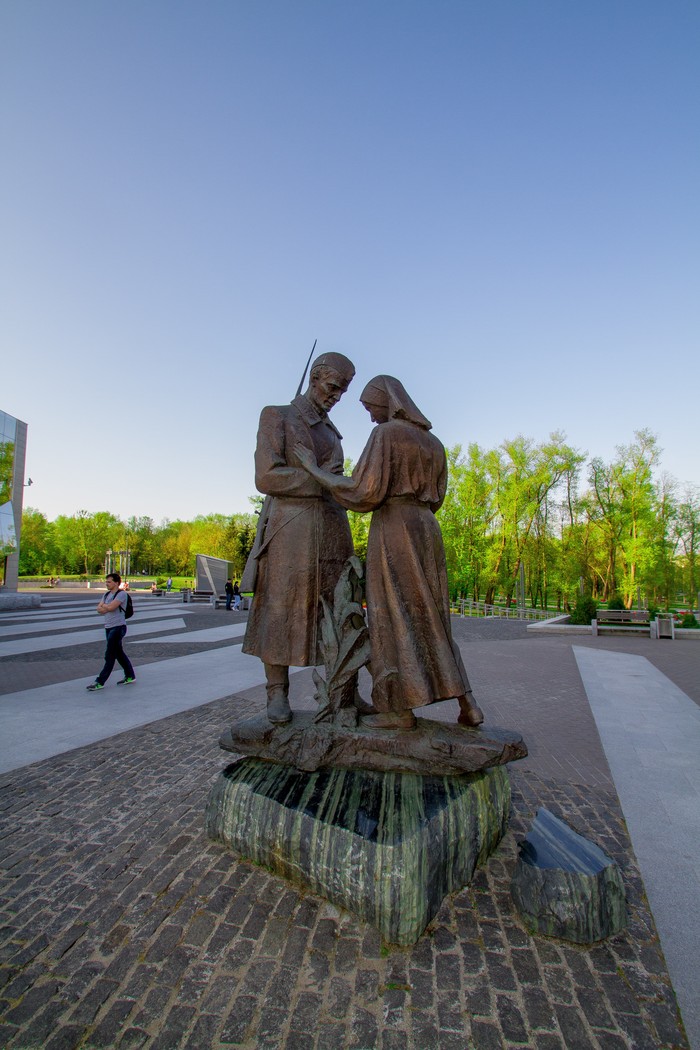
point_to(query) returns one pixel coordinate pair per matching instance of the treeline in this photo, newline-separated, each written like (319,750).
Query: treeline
(78,544)
(618,530)
(607,530)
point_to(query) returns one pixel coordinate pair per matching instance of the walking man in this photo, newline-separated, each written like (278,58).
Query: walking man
(113,608)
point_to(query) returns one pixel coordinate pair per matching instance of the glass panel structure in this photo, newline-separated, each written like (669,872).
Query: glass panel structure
(212,573)
(8,438)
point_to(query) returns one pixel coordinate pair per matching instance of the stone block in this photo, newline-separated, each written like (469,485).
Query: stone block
(430,749)
(11,601)
(385,846)
(566,886)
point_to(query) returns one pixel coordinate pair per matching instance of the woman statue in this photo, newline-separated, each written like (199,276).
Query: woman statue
(402,477)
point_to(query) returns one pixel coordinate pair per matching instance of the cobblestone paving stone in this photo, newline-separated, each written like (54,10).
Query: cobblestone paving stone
(123,926)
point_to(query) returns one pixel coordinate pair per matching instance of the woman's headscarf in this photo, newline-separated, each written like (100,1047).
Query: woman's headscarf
(385,390)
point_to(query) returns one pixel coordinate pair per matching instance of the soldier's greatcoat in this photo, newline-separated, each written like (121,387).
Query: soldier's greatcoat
(304,540)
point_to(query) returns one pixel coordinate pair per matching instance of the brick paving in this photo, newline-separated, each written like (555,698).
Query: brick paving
(123,926)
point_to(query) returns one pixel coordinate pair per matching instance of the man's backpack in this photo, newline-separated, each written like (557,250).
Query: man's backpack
(128,608)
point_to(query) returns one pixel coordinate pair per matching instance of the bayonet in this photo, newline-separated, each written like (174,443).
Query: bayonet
(301,383)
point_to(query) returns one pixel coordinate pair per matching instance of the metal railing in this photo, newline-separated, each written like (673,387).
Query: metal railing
(469,607)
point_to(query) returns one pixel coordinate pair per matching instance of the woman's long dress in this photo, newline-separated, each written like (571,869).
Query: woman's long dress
(402,477)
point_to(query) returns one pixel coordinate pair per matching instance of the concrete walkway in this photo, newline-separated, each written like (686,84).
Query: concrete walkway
(227,633)
(67,621)
(651,735)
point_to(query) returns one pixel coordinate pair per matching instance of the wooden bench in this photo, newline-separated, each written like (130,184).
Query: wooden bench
(622,620)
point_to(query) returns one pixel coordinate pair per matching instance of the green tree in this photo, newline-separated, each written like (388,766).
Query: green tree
(95,534)
(141,541)
(37,553)
(466,517)
(209,536)
(661,570)
(174,544)
(526,479)
(7,467)
(67,539)
(688,533)
(359,523)
(623,507)
(359,530)
(239,537)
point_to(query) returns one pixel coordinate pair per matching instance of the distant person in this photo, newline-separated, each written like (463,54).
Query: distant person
(154,587)
(113,608)
(236,595)
(169,584)
(229,594)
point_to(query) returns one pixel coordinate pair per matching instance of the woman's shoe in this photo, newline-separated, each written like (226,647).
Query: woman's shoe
(470,714)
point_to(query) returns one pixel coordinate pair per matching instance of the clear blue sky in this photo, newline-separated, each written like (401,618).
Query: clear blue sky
(496,202)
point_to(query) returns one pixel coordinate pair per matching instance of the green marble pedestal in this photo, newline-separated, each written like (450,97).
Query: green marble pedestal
(385,846)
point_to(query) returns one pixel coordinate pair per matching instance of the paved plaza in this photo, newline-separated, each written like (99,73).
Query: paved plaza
(123,926)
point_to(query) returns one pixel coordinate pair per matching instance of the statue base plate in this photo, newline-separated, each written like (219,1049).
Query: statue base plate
(431,749)
(386,846)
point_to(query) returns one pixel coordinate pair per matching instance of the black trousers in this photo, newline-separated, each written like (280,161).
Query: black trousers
(114,653)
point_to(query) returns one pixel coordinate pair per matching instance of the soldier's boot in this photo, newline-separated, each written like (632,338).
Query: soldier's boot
(470,714)
(278,710)
(363,707)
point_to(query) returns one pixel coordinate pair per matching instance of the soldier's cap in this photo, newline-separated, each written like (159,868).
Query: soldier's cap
(338,362)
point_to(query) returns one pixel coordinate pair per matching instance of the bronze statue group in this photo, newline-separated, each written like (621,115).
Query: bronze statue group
(303,541)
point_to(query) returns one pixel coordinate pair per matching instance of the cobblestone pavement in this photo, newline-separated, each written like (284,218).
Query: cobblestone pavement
(123,926)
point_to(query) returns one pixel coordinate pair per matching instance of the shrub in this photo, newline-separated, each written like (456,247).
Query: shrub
(584,610)
(690,621)
(615,602)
